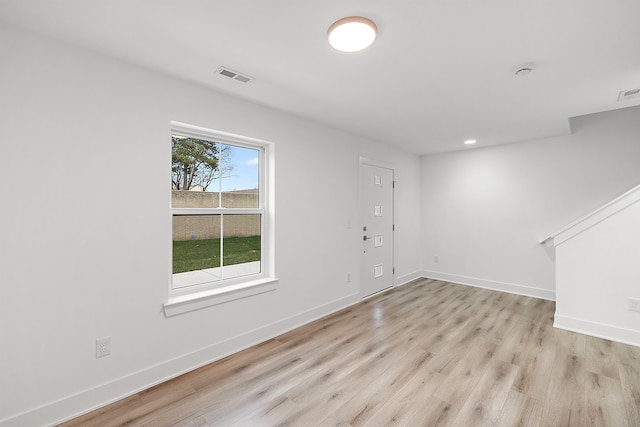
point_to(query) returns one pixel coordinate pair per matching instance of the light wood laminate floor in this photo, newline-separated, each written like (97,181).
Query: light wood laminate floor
(429,353)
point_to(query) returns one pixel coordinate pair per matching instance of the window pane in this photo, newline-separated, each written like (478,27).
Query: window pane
(195,166)
(241,246)
(239,178)
(196,249)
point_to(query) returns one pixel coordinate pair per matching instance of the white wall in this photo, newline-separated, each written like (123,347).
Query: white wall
(597,272)
(485,210)
(75,269)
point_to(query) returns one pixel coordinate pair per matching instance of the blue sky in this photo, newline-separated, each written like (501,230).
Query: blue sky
(244,174)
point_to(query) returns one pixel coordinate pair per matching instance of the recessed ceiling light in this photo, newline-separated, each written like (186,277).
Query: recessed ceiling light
(352,34)
(470,141)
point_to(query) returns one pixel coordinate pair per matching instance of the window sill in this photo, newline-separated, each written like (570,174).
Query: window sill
(184,303)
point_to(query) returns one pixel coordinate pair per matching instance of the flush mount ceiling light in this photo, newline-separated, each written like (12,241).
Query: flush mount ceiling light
(352,34)
(470,141)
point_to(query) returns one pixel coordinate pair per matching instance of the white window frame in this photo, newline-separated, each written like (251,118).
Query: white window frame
(194,297)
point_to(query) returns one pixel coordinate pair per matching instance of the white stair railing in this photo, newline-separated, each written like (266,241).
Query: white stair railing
(578,226)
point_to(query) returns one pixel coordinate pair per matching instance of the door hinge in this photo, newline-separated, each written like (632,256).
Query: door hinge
(394,270)
(393,184)
(393,227)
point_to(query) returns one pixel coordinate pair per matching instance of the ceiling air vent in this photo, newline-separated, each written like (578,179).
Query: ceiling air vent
(629,94)
(224,71)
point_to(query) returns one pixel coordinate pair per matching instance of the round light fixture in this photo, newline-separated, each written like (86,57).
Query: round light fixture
(352,34)
(470,141)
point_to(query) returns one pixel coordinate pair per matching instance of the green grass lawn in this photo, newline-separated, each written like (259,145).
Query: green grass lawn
(189,255)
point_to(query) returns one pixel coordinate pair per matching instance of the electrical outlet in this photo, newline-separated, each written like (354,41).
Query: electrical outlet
(103,347)
(348,277)
(436,259)
(634,304)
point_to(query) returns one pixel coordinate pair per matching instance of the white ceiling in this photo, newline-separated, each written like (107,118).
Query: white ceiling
(439,73)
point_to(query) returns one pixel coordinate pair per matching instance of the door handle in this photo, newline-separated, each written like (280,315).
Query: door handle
(366,238)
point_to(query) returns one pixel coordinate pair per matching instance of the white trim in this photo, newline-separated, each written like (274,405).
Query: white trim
(179,304)
(205,133)
(216,211)
(407,278)
(377,163)
(599,330)
(578,226)
(494,285)
(97,397)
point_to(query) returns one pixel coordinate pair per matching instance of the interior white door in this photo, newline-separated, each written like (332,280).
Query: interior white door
(376,204)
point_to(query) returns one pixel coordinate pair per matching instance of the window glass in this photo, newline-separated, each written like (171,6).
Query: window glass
(196,249)
(239,179)
(207,174)
(241,249)
(195,165)
(217,208)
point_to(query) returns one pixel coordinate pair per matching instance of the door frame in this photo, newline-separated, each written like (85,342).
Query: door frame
(384,165)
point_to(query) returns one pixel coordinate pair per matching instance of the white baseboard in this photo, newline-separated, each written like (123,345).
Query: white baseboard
(408,278)
(97,397)
(599,330)
(511,288)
